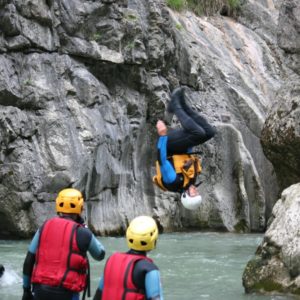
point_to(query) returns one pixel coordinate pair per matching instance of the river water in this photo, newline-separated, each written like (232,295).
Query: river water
(193,265)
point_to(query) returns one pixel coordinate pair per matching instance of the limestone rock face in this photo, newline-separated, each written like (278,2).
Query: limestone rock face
(281,135)
(82,84)
(281,131)
(276,265)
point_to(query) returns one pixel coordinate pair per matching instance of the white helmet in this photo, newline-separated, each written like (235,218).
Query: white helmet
(190,202)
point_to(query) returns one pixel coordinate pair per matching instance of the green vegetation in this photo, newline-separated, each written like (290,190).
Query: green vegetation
(179,26)
(177,4)
(206,7)
(131,17)
(198,7)
(130,45)
(241,226)
(27,81)
(96,37)
(268,285)
(233,4)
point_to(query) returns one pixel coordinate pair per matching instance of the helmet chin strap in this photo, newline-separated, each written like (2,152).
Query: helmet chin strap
(198,183)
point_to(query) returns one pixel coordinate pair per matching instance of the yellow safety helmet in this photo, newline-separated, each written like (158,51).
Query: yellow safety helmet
(69,201)
(142,234)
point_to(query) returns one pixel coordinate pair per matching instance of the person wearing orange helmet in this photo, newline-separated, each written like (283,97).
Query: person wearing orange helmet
(56,265)
(132,275)
(177,167)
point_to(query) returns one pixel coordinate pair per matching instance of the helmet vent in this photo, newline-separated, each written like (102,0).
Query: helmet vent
(131,241)
(69,201)
(143,243)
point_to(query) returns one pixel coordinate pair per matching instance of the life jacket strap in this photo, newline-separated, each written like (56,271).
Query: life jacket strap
(186,164)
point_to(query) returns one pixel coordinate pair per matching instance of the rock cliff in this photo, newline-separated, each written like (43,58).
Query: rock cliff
(276,265)
(281,132)
(82,84)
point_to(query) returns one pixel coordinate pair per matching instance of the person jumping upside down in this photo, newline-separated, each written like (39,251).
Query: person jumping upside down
(177,168)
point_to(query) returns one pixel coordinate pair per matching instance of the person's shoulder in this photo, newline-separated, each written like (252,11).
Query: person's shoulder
(146,264)
(84,237)
(82,230)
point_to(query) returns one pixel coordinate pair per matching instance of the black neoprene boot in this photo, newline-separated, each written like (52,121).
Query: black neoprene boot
(177,100)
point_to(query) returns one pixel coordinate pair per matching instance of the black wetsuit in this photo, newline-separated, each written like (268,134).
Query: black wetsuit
(195,131)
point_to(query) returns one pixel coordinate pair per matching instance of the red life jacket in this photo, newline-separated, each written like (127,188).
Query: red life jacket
(59,261)
(118,284)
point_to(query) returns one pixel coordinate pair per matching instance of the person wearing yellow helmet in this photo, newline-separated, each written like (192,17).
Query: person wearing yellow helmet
(69,201)
(177,167)
(56,265)
(133,275)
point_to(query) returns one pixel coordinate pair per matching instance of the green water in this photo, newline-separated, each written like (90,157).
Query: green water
(193,265)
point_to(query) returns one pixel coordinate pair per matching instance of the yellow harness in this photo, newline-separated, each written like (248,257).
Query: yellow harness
(188,165)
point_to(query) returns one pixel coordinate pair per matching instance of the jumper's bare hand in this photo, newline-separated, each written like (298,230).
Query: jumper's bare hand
(161,128)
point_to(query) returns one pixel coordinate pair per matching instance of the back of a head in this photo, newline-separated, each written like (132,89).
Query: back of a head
(69,201)
(142,234)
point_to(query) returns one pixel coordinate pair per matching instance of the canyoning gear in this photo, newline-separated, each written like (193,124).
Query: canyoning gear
(145,277)
(118,278)
(86,242)
(27,294)
(131,275)
(176,167)
(66,267)
(46,292)
(153,285)
(142,234)
(177,100)
(27,269)
(187,165)
(190,202)
(141,268)
(69,201)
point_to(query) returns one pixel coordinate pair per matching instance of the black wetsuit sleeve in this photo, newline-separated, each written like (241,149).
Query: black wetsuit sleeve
(141,268)
(29,264)
(84,236)
(98,295)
